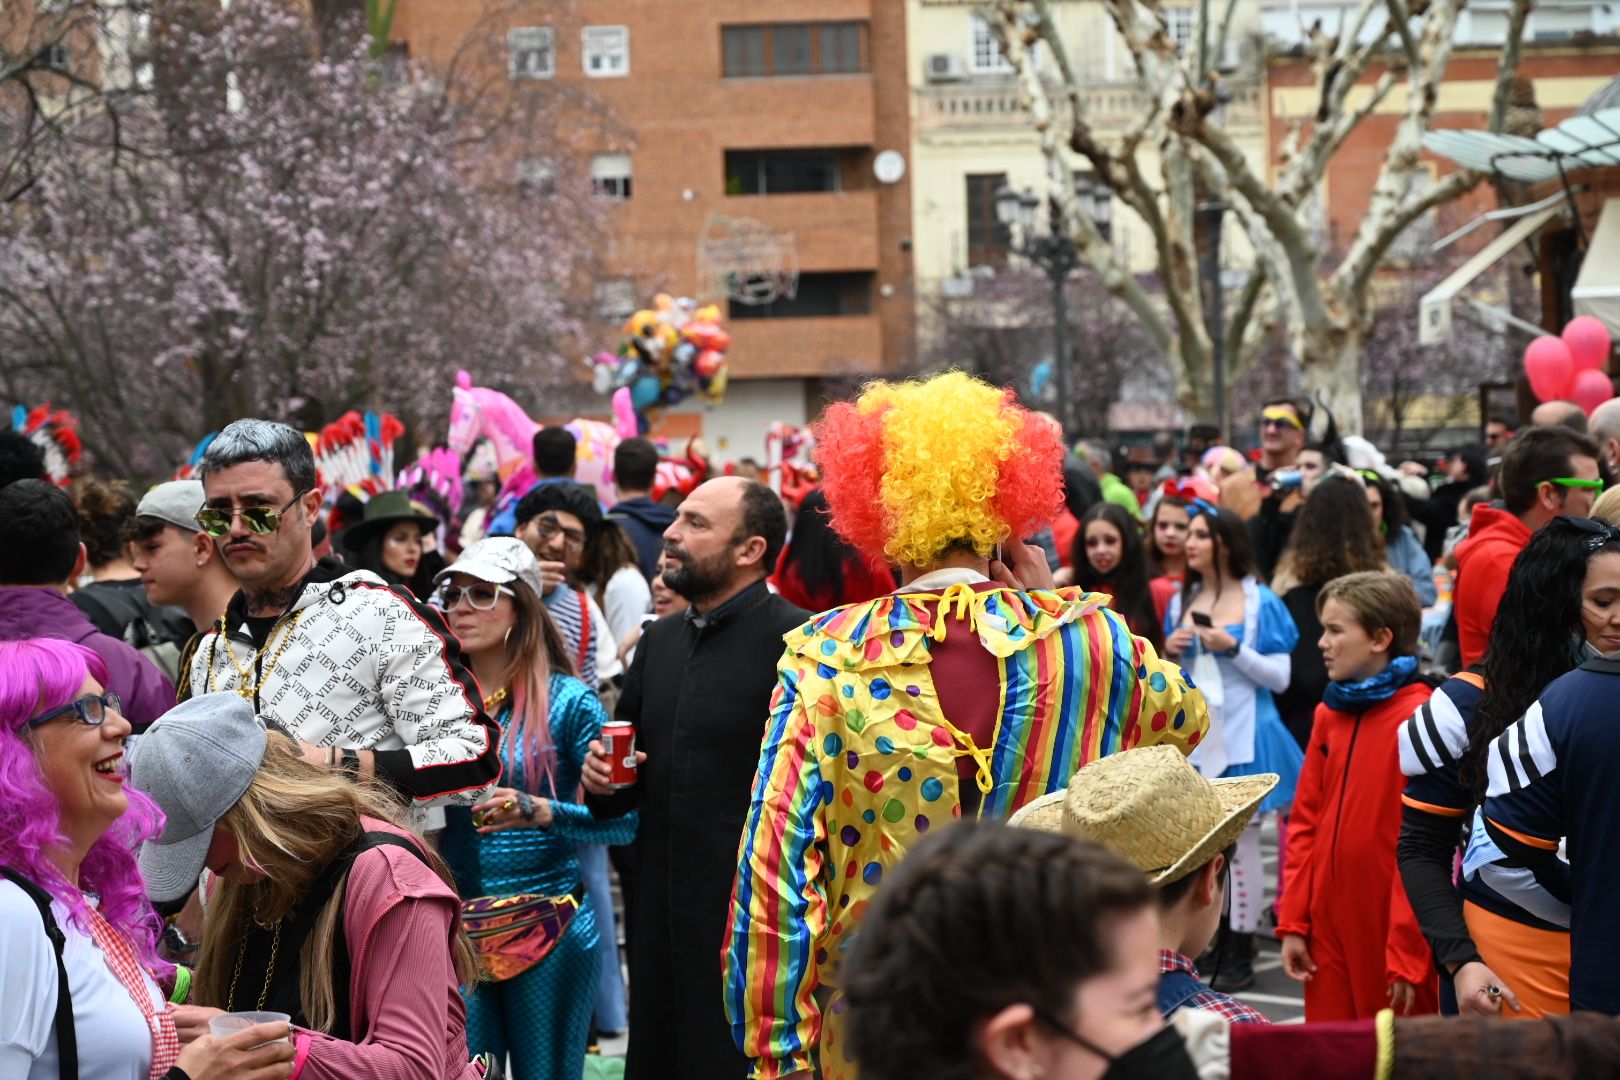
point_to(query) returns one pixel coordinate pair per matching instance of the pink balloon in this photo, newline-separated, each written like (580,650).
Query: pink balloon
(1550,368)
(1592,388)
(1588,340)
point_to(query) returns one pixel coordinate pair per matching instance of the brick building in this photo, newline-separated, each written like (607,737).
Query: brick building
(739,145)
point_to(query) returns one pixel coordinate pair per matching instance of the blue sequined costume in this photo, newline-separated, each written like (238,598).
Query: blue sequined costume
(541,1018)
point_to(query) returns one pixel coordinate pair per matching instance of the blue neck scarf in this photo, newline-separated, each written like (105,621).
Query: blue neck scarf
(1359,696)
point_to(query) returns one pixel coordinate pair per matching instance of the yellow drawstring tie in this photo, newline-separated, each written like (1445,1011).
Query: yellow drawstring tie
(956,600)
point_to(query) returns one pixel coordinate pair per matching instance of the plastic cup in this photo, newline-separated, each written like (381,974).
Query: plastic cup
(223,1027)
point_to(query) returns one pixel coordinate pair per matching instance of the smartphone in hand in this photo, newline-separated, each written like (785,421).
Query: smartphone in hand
(1201,618)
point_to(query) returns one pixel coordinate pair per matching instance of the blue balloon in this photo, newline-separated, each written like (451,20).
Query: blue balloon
(644,392)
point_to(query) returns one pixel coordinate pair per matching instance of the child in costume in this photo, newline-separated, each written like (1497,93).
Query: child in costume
(1347,930)
(972,690)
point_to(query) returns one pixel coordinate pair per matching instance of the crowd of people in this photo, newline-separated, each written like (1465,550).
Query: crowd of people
(954,762)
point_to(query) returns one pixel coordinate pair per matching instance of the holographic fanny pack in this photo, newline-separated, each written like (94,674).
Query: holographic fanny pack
(514,933)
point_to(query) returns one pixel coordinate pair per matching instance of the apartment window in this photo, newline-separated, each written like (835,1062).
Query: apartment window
(985,57)
(606,51)
(1178,23)
(819,295)
(536,176)
(1417,239)
(530,52)
(780,172)
(56,57)
(830,48)
(841,48)
(988,239)
(610,176)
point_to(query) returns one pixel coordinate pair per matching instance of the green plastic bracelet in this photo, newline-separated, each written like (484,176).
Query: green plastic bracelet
(182,985)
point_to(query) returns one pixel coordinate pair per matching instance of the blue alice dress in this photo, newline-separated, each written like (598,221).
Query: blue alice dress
(541,1018)
(1247,735)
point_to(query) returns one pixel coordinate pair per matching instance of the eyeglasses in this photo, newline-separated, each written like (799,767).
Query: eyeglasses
(216,521)
(92,710)
(479,597)
(549,528)
(1575,482)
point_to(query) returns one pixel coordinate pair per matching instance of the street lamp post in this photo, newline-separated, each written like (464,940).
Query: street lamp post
(1050,247)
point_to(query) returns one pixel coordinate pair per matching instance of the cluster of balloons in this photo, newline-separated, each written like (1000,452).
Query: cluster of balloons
(666,353)
(1571,367)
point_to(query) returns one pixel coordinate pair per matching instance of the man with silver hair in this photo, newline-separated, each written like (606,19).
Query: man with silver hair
(366,678)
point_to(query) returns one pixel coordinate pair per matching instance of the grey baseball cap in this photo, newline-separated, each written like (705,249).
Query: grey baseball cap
(498,560)
(195,762)
(176,502)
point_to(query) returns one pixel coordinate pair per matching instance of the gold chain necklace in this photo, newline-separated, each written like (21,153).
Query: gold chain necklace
(246,688)
(493,703)
(269,972)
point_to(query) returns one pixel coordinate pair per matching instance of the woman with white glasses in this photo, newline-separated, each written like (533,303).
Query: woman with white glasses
(521,841)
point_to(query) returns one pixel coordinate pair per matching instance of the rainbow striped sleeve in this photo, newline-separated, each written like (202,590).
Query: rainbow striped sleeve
(778,903)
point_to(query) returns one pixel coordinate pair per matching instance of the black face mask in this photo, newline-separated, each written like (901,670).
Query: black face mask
(1161,1056)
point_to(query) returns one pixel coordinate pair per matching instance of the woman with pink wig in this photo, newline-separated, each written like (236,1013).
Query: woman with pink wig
(68,830)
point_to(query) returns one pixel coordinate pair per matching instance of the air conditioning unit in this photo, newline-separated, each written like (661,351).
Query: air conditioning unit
(945,67)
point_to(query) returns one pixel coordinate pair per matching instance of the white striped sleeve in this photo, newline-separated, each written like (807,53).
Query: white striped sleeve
(1435,736)
(1520,756)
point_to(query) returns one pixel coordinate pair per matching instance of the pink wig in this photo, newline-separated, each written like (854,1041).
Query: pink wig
(37,675)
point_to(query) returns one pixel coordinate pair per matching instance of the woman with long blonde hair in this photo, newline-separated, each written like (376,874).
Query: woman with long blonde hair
(327,907)
(518,850)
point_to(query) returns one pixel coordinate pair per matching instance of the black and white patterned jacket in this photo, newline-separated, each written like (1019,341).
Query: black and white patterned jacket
(367,667)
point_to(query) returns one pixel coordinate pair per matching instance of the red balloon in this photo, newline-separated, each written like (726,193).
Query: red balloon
(1550,368)
(1588,340)
(1592,388)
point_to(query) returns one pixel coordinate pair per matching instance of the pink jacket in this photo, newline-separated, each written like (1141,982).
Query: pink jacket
(403,991)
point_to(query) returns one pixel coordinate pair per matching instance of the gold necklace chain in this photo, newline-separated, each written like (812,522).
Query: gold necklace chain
(246,687)
(269,972)
(493,703)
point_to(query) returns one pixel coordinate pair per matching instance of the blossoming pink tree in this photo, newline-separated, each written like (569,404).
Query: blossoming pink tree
(293,227)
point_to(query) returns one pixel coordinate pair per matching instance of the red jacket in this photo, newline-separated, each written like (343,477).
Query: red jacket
(1340,880)
(1495,538)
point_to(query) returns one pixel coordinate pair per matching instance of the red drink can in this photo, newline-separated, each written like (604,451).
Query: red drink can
(619,740)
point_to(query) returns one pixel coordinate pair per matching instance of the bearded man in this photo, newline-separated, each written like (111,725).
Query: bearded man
(698,693)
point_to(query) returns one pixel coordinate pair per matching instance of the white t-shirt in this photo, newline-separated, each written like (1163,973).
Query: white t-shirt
(114,1041)
(624,601)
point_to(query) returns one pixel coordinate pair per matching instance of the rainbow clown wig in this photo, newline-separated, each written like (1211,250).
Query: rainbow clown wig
(916,470)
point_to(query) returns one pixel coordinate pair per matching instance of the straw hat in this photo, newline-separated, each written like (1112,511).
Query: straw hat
(1152,808)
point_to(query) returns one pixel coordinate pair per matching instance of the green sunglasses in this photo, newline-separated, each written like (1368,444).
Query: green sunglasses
(215,521)
(1573,482)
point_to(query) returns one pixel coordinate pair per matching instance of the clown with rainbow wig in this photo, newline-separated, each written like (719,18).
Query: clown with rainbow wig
(973,689)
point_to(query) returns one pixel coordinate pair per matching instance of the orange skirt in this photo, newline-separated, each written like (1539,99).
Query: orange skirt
(1533,963)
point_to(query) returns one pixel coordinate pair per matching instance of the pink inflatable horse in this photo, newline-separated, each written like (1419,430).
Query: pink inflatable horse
(477,412)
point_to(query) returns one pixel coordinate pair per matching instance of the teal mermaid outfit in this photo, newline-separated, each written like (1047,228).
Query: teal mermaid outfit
(542,1018)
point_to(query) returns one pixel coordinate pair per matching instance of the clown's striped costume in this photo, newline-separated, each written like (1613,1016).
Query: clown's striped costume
(859,760)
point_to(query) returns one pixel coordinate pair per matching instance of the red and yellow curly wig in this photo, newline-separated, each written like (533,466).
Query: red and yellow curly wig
(915,470)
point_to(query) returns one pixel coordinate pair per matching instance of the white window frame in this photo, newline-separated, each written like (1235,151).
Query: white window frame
(609,43)
(1178,26)
(984,52)
(531,52)
(612,176)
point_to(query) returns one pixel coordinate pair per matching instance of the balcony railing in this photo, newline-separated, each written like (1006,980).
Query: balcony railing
(987,104)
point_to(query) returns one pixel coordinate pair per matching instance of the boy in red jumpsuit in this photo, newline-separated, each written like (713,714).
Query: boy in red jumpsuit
(1347,930)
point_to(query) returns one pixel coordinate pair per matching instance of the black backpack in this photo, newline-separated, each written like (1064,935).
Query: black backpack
(67,1036)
